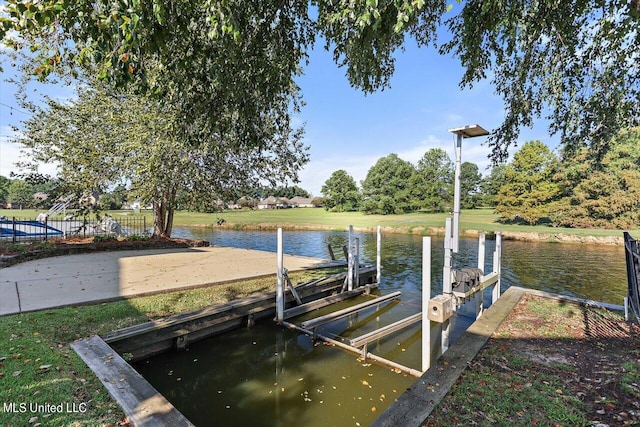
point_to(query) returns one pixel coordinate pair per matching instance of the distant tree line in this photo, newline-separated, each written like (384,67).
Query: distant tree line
(579,187)
(35,191)
(395,186)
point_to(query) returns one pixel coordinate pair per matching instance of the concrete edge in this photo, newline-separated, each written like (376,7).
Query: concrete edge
(140,401)
(415,405)
(321,265)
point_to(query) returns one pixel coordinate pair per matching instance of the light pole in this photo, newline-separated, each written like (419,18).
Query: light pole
(469,131)
(452,232)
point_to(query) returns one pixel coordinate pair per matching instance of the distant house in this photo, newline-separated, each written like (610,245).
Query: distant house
(301,202)
(274,203)
(136,205)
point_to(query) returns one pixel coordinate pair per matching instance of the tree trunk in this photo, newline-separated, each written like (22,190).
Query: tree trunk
(171,208)
(163,212)
(158,217)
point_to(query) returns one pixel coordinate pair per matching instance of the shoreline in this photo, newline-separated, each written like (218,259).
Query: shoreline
(523,236)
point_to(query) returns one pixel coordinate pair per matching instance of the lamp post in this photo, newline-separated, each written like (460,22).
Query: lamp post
(452,231)
(469,131)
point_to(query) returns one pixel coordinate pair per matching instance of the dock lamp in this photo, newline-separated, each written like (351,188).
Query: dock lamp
(469,131)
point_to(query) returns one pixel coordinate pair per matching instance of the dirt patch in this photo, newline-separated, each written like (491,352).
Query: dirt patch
(551,363)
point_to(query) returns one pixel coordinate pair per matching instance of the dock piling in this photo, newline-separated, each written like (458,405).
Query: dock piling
(379,255)
(426,296)
(280,284)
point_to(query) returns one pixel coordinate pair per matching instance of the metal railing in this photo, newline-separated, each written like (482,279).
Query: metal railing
(632,256)
(42,229)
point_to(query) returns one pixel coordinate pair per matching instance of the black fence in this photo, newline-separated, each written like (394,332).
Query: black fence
(632,256)
(42,229)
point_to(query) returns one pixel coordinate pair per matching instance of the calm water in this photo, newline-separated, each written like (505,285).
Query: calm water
(268,376)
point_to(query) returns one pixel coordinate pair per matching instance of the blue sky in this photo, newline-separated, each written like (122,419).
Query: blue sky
(346,129)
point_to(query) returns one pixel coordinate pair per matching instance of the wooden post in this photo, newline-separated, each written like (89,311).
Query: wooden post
(331,254)
(426,296)
(280,284)
(350,261)
(497,267)
(379,255)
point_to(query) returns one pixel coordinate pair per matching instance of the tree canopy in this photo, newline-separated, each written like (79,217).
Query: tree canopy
(105,138)
(387,188)
(601,192)
(432,182)
(341,192)
(470,185)
(575,63)
(529,184)
(579,190)
(177,52)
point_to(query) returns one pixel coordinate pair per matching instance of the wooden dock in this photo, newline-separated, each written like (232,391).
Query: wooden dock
(154,337)
(142,404)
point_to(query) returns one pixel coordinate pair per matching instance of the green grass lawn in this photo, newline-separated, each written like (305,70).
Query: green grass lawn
(317,218)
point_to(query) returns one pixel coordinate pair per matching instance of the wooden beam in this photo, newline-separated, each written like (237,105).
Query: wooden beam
(313,323)
(314,305)
(385,330)
(142,403)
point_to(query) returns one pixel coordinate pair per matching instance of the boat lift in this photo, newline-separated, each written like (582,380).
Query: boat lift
(462,290)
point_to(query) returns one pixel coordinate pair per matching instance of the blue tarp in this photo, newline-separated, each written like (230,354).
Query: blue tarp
(24,228)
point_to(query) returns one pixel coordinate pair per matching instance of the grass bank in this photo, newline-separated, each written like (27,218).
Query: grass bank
(38,367)
(550,363)
(471,221)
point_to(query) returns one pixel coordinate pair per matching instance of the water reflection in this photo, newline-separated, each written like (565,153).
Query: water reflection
(269,376)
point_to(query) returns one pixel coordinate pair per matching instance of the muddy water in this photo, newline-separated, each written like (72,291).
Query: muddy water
(268,376)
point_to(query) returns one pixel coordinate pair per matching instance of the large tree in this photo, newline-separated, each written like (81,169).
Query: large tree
(432,184)
(470,182)
(20,193)
(601,192)
(340,192)
(229,81)
(387,187)
(530,184)
(106,138)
